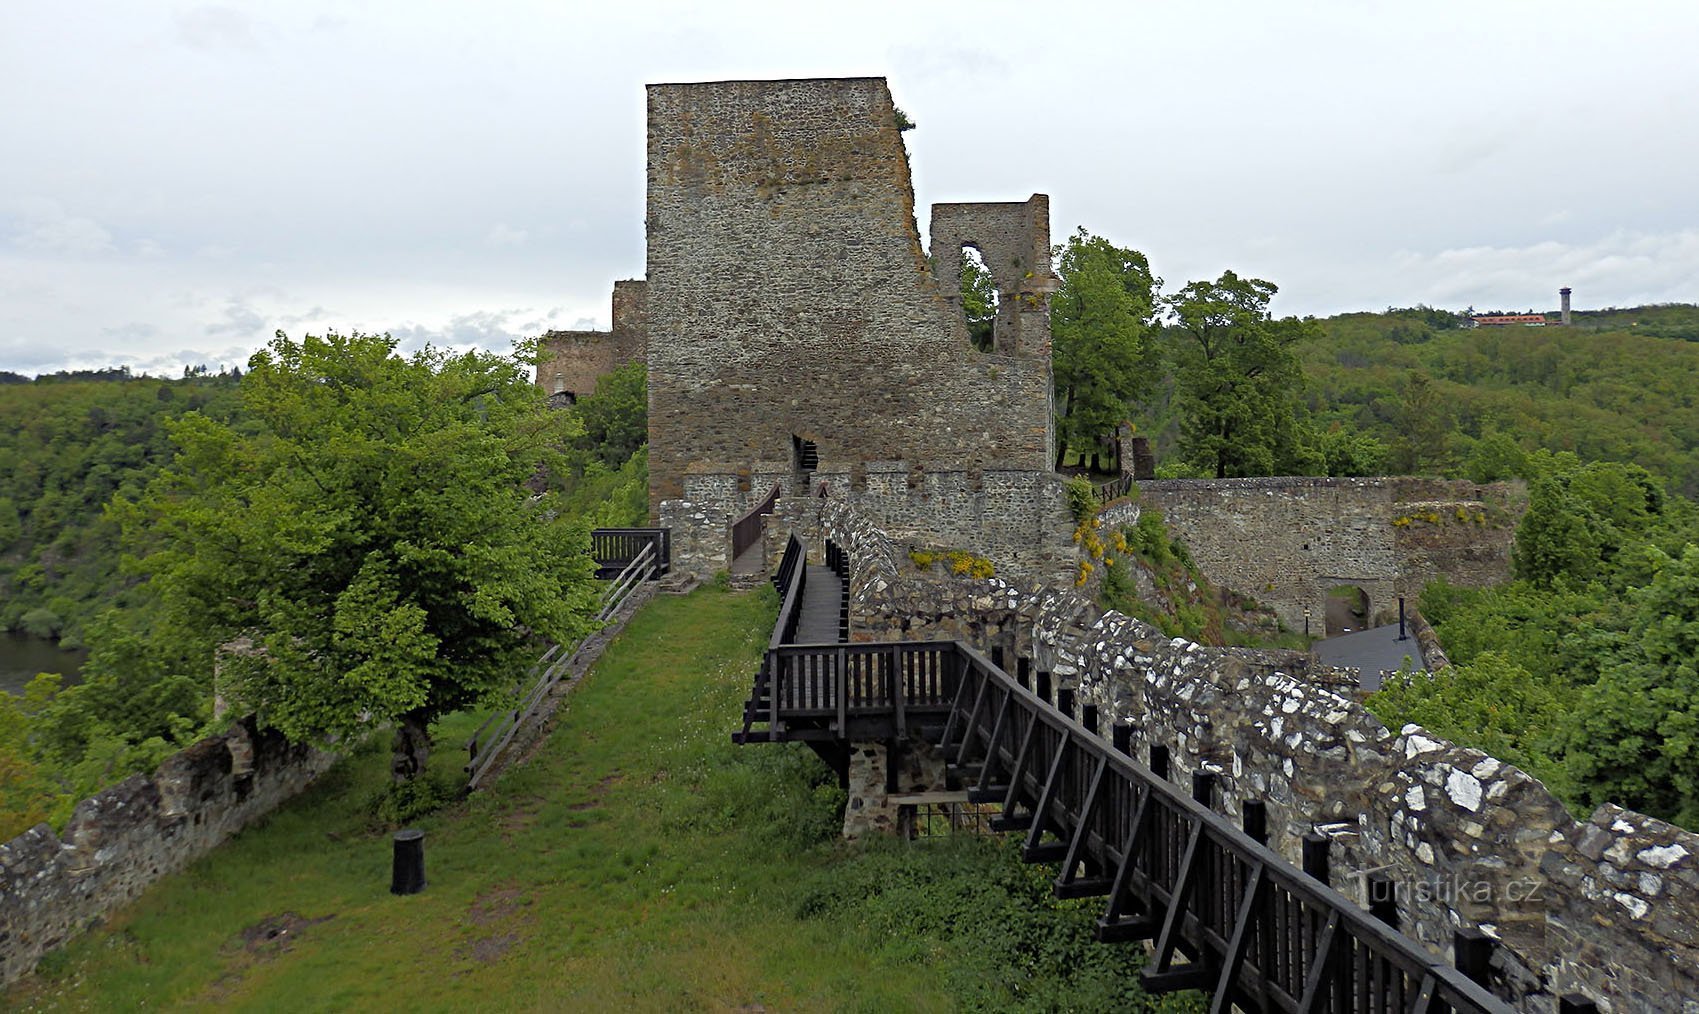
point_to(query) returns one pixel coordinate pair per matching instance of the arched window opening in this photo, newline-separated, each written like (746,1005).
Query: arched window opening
(979,299)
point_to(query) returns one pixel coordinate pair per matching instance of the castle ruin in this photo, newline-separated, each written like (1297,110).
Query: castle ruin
(800,333)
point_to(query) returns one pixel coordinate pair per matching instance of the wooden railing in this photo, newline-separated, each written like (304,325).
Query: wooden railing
(1114,489)
(746,530)
(615,548)
(1225,912)
(648,548)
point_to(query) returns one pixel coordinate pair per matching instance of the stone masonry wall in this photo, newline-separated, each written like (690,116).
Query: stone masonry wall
(575,360)
(1019,520)
(1608,906)
(123,839)
(790,297)
(1286,541)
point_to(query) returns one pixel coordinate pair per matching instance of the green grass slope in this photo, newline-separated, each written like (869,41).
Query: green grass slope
(638,861)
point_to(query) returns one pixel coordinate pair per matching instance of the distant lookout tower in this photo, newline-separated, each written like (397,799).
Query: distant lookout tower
(1563,294)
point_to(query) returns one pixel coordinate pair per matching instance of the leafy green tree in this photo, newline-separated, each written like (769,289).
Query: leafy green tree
(1491,703)
(1098,321)
(28,795)
(1347,451)
(1424,428)
(1494,457)
(364,550)
(616,416)
(1238,379)
(1634,739)
(979,302)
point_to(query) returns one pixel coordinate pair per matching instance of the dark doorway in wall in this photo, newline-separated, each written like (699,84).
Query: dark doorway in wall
(805,458)
(1347,609)
(979,299)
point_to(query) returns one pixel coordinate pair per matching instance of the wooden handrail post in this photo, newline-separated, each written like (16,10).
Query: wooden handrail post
(1254,820)
(898,693)
(1316,846)
(1474,953)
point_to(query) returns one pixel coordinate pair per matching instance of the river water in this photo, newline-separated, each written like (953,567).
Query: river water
(22,656)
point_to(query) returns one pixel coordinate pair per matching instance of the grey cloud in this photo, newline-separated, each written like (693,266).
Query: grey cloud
(239,319)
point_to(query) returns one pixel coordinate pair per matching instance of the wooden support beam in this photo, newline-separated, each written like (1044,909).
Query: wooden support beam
(994,745)
(1244,924)
(1047,797)
(1425,995)
(1472,950)
(1115,925)
(1018,772)
(1162,977)
(1083,887)
(955,706)
(972,726)
(1321,965)
(1077,837)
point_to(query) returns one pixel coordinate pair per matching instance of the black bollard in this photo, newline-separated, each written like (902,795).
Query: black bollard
(408,873)
(1122,735)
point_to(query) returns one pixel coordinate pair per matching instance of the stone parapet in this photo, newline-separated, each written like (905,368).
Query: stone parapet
(121,840)
(1607,907)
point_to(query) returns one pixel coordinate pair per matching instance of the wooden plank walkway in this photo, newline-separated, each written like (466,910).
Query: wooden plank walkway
(822,593)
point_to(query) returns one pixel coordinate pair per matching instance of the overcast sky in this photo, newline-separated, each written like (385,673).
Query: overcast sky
(178,181)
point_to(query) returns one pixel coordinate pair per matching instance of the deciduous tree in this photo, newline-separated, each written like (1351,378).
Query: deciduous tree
(1238,379)
(1098,321)
(364,550)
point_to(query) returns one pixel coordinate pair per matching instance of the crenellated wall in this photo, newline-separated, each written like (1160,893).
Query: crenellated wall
(1608,907)
(123,839)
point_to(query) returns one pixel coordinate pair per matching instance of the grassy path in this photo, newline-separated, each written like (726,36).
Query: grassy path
(638,862)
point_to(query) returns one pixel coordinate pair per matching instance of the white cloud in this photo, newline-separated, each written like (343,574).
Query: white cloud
(1623,269)
(503,235)
(45,227)
(215,28)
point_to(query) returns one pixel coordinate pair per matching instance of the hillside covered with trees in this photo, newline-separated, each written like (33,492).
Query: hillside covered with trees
(1581,670)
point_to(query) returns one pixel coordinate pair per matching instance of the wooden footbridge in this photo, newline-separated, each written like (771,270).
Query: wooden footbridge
(1221,911)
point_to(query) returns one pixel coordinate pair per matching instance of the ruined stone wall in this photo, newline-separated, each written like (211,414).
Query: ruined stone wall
(1017,519)
(789,295)
(120,841)
(1608,907)
(1286,541)
(575,360)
